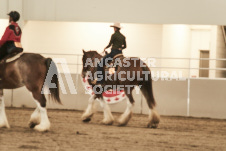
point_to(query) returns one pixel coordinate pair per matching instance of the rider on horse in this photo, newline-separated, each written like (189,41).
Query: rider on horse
(12,36)
(118,43)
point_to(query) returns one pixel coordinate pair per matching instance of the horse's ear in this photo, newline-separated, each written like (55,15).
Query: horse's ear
(83,51)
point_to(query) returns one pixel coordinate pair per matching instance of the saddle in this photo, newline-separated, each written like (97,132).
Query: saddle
(16,51)
(112,67)
(9,50)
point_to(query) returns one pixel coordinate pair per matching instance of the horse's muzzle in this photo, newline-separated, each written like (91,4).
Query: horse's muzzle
(83,74)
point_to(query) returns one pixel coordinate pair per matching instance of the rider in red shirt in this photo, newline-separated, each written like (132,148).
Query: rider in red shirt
(12,36)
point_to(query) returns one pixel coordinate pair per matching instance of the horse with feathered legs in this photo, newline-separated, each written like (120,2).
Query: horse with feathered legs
(30,70)
(146,89)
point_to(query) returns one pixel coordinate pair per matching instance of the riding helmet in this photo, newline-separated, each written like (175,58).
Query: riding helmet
(14,15)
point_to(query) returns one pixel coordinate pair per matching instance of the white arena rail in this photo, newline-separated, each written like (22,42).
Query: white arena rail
(76,65)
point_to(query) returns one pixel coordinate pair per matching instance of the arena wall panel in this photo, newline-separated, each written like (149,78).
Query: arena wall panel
(207,98)
(170,96)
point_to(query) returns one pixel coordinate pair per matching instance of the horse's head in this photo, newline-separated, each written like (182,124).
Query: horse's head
(88,56)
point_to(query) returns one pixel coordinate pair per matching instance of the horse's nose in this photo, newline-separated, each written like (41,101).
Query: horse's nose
(83,74)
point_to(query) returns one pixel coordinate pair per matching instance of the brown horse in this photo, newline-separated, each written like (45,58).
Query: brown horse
(29,70)
(123,72)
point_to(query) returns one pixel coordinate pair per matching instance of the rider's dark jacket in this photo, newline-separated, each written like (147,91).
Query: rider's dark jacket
(118,41)
(12,33)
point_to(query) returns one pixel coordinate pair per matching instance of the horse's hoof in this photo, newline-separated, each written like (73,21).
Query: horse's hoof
(107,122)
(121,124)
(154,122)
(86,120)
(124,120)
(153,125)
(41,128)
(32,124)
(5,126)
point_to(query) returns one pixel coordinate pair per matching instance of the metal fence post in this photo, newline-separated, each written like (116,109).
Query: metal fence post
(189,84)
(77,72)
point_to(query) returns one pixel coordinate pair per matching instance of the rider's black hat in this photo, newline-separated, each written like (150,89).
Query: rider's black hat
(14,15)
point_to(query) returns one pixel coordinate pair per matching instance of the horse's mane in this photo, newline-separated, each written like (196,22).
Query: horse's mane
(94,53)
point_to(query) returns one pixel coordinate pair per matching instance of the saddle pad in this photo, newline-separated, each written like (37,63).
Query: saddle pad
(110,97)
(14,57)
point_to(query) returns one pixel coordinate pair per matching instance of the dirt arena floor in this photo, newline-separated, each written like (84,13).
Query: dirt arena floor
(69,133)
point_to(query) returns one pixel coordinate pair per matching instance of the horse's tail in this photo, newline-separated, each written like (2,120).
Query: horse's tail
(52,70)
(147,90)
